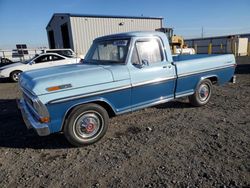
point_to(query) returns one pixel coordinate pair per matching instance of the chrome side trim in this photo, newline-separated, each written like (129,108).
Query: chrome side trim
(153,103)
(203,71)
(156,102)
(89,94)
(155,81)
(184,94)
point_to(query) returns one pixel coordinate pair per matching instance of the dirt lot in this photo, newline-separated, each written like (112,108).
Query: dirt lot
(164,146)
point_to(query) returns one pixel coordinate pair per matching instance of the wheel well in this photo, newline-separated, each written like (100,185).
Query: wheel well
(107,107)
(14,71)
(103,104)
(213,79)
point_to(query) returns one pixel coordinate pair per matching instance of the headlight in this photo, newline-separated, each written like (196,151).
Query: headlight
(42,111)
(37,107)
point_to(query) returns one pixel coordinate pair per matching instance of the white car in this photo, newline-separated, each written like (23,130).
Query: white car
(39,61)
(67,52)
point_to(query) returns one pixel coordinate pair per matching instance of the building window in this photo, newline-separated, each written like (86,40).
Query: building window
(51,39)
(65,35)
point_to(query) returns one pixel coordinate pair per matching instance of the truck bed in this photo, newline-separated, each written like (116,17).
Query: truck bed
(191,64)
(193,68)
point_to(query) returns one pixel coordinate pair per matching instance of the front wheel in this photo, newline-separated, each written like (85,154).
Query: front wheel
(86,124)
(202,93)
(14,76)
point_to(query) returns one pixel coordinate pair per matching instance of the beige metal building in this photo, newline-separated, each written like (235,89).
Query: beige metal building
(77,31)
(220,44)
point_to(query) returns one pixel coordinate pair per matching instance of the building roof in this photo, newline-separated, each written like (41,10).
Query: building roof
(102,16)
(132,34)
(218,37)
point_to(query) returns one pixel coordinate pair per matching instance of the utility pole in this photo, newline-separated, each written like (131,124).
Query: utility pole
(202,32)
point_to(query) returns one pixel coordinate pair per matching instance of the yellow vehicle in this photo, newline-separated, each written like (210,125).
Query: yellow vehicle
(176,42)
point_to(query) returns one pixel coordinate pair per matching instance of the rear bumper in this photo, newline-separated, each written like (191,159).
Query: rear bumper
(42,129)
(233,79)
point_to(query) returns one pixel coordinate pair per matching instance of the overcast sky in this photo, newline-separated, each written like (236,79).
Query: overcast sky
(24,21)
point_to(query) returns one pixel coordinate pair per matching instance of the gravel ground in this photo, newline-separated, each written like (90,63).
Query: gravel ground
(170,145)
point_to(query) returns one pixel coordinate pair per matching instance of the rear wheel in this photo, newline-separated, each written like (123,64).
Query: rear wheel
(14,76)
(86,124)
(202,93)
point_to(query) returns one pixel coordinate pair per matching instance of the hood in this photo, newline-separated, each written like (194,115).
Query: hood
(12,65)
(77,75)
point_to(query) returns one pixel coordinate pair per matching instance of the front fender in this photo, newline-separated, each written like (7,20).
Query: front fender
(6,72)
(118,101)
(106,105)
(59,111)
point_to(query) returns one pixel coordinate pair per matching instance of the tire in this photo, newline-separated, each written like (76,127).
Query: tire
(14,76)
(202,93)
(86,124)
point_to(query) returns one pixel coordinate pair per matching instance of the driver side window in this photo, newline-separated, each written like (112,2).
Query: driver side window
(56,58)
(42,59)
(148,51)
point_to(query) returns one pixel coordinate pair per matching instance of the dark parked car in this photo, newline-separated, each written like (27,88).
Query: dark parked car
(5,61)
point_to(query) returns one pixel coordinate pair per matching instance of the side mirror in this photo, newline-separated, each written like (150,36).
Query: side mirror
(31,62)
(144,62)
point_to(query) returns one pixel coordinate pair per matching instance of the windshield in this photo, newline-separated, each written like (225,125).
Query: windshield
(108,51)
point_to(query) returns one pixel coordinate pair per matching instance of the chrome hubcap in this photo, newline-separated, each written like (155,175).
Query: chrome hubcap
(16,76)
(88,125)
(204,92)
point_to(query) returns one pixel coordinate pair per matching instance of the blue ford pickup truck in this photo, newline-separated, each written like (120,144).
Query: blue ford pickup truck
(120,73)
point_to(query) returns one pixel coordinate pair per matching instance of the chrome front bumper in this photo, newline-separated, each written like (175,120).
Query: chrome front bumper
(42,129)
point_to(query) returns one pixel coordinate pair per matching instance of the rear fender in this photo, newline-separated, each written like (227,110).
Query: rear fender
(213,78)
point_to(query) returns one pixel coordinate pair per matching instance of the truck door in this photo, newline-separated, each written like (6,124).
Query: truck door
(152,76)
